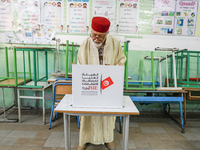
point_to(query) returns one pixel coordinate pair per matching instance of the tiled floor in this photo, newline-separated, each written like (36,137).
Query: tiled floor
(147,132)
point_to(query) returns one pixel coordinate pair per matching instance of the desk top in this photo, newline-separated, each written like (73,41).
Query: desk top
(33,48)
(39,83)
(155,91)
(65,107)
(53,78)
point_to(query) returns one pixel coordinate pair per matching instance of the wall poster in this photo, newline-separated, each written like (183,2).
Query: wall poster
(105,8)
(6,17)
(186,17)
(52,14)
(127,16)
(28,14)
(78,16)
(163,18)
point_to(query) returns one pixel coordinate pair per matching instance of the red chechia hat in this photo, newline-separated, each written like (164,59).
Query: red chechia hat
(100,24)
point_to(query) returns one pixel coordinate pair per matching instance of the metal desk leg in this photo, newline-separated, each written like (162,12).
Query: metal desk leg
(125,132)
(4,110)
(19,105)
(67,131)
(184,108)
(43,98)
(181,116)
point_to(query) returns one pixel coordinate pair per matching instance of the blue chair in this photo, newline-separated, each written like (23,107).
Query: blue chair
(61,87)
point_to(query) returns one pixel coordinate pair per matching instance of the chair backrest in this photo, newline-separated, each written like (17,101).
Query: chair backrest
(63,86)
(63,89)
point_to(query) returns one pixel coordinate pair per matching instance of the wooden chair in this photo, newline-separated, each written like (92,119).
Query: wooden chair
(61,87)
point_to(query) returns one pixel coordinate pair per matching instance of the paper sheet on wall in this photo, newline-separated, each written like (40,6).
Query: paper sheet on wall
(127,16)
(105,8)
(163,18)
(48,35)
(6,14)
(28,14)
(52,14)
(11,37)
(27,35)
(186,17)
(38,35)
(78,16)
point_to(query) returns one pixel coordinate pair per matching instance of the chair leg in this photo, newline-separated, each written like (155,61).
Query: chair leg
(56,115)
(78,121)
(52,111)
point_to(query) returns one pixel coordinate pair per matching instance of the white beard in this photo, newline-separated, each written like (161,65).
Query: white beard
(97,45)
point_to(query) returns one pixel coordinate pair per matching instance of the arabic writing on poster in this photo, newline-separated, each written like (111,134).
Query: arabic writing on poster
(6,21)
(52,14)
(163,19)
(105,8)
(90,83)
(29,14)
(186,16)
(78,16)
(128,13)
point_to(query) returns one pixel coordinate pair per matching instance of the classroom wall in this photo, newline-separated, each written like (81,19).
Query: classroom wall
(140,46)
(135,56)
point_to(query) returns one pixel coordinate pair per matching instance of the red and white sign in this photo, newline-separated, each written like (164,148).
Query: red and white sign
(106,83)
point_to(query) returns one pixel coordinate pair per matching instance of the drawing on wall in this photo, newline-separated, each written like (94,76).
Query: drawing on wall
(127,17)
(77,16)
(52,14)
(105,8)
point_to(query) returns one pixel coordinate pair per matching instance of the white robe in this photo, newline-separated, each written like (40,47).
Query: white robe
(99,129)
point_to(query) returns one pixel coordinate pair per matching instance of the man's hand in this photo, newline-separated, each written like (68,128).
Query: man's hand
(120,64)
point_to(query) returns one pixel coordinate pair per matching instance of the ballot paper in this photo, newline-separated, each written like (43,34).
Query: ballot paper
(98,86)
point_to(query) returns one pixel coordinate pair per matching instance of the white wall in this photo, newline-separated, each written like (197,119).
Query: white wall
(143,42)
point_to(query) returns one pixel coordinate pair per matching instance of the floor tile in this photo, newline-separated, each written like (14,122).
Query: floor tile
(159,130)
(22,141)
(156,144)
(185,144)
(164,136)
(196,144)
(190,136)
(151,136)
(4,133)
(43,134)
(8,141)
(29,134)
(36,142)
(15,133)
(142,144)
(147,130)
(177,136)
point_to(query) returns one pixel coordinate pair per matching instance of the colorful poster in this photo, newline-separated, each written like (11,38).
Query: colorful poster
(52,14)
(38,35)
(29,14)
(128,14)
(163,18)
(186,17)
(105,8)
(78,16)
(27,35)
(6,17)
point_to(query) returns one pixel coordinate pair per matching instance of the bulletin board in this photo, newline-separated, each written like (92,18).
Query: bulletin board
(177,17)
(39,20)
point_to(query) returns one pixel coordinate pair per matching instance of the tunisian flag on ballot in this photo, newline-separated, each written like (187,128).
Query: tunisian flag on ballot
(106,83)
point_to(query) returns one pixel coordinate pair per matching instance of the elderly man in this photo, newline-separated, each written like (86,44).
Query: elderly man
(99,49)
